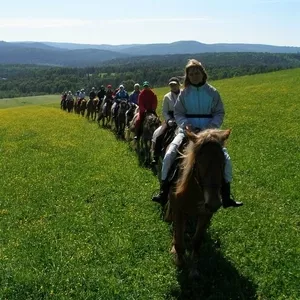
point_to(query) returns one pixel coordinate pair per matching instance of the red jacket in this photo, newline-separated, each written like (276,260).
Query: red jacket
(147,101)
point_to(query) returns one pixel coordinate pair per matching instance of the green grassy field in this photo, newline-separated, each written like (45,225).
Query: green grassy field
(25,101)
(77,222)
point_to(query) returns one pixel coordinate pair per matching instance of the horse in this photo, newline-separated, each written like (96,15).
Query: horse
(131,122)
(131,111)
(77,106)
(120,117)
(94,109)
(150,123)
(83,106)
(105,112)
(89,108)
(70,105)
(196,193)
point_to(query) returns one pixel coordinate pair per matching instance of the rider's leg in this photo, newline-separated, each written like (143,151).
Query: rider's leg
(227,201)
(168,160)
(155,145)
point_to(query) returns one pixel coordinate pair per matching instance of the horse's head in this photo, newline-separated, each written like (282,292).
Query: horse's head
(151,122)
(123,106)
(203,166)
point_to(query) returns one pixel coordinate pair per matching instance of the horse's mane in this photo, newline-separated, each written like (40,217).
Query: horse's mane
(190,153)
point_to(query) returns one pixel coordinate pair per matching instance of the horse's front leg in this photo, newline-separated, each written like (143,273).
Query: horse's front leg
(203,222)
(147,150)
(123,129)
(178,239)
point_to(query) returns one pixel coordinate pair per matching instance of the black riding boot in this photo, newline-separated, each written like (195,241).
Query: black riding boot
(226,200)
(162,197)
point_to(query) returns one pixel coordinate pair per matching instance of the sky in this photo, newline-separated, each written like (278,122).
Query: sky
(115,22)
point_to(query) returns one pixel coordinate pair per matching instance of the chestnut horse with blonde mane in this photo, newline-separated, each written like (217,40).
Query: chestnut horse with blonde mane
(197,190)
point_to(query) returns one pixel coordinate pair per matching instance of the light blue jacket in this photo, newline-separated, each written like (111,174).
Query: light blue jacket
(200,107)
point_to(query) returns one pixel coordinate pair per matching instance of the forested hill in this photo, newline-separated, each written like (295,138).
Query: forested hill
(41,54)
(83,55)
(22,80)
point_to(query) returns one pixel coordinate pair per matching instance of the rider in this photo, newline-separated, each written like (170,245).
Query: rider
(168,115)
(133,103)
(101,93)
(133,98)
(121,94)
(92,95)
(82,94)
(199,106)
(147,101)
(109,92)
(70,96)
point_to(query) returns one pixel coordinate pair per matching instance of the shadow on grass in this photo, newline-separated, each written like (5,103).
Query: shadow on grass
(141,156)
(218,278)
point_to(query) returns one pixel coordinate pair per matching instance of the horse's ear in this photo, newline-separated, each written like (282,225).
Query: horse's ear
(191,135)
(226,134)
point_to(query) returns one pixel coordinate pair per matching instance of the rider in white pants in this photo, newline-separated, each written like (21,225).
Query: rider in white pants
(168,116)
(199,106)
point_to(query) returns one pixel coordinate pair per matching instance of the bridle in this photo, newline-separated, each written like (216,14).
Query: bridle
(196,176)
(199,183)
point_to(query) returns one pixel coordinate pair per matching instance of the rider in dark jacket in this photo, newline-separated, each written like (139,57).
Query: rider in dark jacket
(92,94)
(101,93)
(122,93)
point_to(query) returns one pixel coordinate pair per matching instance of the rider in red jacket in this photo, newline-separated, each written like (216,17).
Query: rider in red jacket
(147,101)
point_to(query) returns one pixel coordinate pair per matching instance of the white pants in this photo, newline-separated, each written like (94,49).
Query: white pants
(171,154)
(156,133)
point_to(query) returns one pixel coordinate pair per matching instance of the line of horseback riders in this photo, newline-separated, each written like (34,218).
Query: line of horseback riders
(80,105)
(197,107)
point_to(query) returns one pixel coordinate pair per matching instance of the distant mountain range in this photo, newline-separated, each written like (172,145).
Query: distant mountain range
(81,55)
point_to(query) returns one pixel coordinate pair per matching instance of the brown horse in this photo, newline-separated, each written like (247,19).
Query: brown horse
(83,106)
(104,112)
(150,123)
(197,190)
(120,119)
(95,109)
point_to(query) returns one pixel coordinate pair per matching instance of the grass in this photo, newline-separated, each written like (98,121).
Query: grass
(35,100)
(76,221)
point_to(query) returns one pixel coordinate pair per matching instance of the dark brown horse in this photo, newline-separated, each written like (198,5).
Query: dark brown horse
(105,112)
(83,106)
(150,123)
(120,119)
(95,109)
(197,190)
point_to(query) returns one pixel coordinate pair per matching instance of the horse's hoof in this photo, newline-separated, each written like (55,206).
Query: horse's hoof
(173,250)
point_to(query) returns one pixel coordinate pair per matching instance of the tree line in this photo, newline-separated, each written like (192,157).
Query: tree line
(28,80)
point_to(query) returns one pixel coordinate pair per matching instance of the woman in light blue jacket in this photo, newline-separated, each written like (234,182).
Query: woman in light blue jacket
(198,107)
